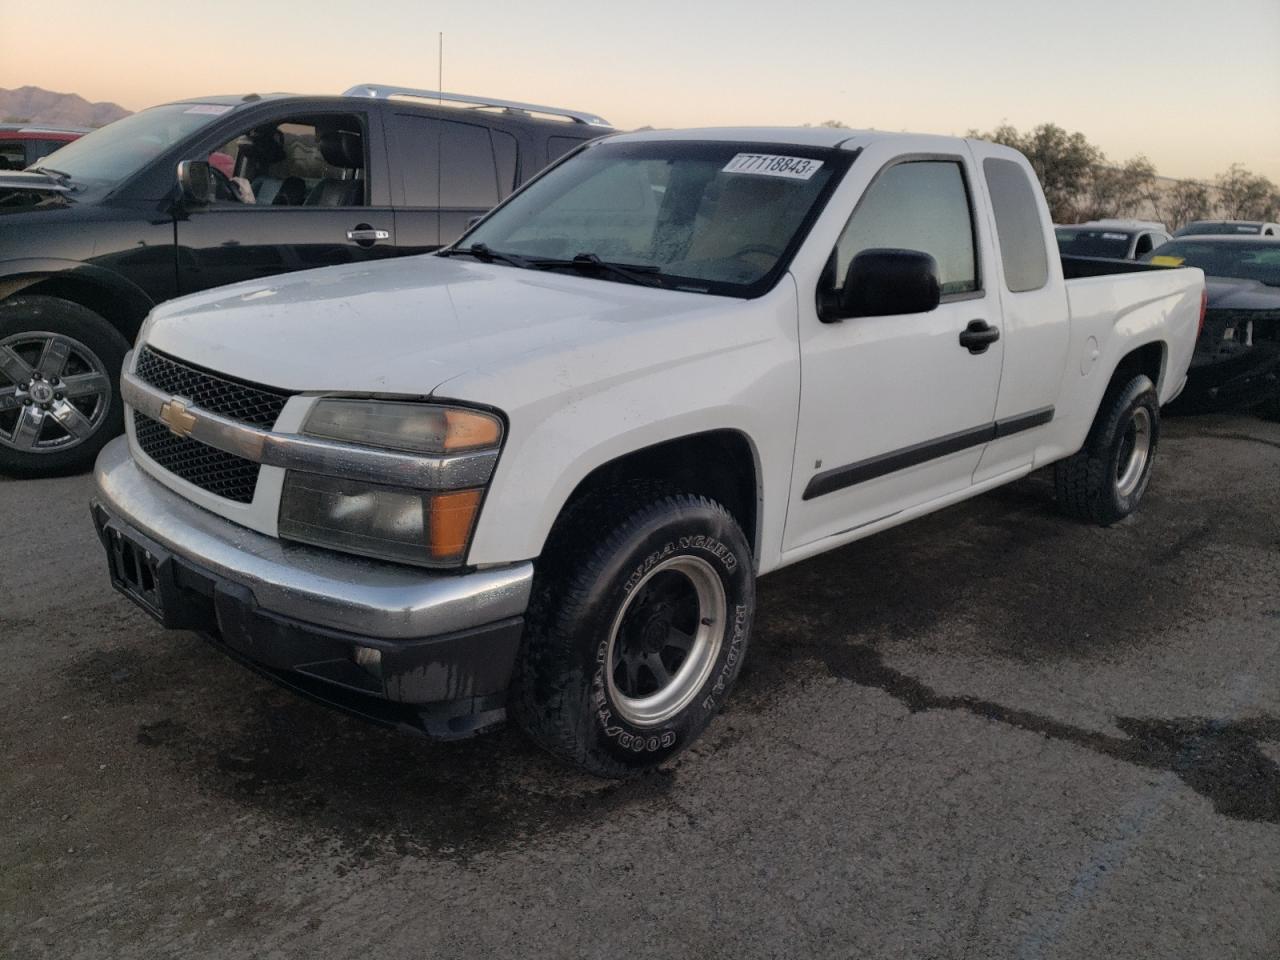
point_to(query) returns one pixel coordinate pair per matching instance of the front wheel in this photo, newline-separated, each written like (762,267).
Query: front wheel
(1105,480)
(637,631)
(59,385)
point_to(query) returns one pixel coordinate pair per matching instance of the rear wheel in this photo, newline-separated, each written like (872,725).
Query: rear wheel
(59,385)
(1105,480)
(1270,410)
(637,630)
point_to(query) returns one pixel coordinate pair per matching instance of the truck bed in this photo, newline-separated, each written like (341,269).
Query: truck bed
(1146,303)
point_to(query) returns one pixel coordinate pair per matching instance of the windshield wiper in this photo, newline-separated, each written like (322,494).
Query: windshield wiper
(642,273)
(482,253)
(59,175)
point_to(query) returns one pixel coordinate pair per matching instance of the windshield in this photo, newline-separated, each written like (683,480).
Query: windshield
(1207,227)
(1259,260)
(110,154)
(713,217)
(1093,243)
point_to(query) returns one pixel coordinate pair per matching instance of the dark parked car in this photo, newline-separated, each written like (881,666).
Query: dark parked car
(196,194)
(22,145)
(1237,358)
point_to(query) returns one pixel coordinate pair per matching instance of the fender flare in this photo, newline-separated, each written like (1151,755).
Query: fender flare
(130,303)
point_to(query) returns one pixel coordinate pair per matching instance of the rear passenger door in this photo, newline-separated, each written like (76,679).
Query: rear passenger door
(444,173)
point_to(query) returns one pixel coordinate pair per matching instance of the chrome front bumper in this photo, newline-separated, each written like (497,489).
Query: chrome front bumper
(319,587)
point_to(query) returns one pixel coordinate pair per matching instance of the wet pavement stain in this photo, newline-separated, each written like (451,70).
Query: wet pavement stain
(1220,759)
(357,790)
(370,792)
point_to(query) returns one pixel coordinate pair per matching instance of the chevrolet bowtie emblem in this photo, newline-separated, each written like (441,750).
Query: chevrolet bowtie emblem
(174,416)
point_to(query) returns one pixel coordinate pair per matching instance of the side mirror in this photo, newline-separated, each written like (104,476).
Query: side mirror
(884,282)
(472,221)
(196,181)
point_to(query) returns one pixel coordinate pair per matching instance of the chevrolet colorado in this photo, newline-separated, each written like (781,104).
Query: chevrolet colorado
(541,469)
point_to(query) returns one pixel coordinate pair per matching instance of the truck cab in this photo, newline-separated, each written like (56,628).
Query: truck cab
(542,470)
(200,193)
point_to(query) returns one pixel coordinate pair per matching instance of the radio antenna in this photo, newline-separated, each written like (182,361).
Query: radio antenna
(439,128)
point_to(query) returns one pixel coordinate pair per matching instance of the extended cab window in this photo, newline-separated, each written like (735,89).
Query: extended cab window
(468,170)
(445,163)
(918,205)
(1018,228)
(308,161)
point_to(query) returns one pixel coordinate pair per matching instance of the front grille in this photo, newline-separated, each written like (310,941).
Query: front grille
(222,474)
(246,402)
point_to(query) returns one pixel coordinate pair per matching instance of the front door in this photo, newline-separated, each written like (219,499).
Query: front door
(895,411)
(291,194)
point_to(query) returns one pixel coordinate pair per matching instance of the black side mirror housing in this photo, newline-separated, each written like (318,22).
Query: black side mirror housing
(195,181)
(885,282)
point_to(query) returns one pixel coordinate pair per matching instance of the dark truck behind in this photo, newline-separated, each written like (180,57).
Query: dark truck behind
(201,193)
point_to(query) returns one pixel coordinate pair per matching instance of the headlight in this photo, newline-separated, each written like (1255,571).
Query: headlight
(416,427)
(425,527)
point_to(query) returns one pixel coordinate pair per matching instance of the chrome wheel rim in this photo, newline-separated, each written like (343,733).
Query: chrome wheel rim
(54,392)
(665,640)
(1135,449)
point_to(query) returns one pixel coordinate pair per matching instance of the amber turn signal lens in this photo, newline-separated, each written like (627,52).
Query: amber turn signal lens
(465,430)
(453,515)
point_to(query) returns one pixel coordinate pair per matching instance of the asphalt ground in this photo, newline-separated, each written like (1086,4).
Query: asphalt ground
(989,733)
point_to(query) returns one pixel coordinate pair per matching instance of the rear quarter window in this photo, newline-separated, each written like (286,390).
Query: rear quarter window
(1018,228)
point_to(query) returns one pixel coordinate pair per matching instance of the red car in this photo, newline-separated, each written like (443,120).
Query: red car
(21,145)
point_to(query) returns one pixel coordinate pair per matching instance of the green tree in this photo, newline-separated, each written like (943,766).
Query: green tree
(1064,162)
(1187,200)
(1120,191)
(1244,195)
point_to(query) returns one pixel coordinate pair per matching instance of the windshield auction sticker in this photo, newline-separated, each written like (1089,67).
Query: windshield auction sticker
(772,165)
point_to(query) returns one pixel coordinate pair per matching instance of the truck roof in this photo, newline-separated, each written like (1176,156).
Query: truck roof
(412,96)
(830,137)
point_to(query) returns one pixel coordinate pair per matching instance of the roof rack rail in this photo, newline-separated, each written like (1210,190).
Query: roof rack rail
(380,91)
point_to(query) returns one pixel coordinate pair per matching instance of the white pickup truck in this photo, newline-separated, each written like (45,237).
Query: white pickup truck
(540,470)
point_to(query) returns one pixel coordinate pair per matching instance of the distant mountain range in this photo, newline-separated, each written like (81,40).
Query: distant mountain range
(34,105)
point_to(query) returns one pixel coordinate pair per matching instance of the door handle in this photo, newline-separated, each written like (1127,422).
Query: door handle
(367,235)
(978,335)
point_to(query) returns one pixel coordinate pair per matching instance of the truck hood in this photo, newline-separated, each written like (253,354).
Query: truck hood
(399,326)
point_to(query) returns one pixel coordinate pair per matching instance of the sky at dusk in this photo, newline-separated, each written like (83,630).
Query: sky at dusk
(1193,85)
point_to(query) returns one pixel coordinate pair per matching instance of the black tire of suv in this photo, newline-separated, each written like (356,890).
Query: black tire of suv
(595,566)
(21,314)
(1087,483)
(1270,410)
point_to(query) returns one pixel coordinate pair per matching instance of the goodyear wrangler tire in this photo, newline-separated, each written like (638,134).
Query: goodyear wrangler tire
(635,637)
(1104,482)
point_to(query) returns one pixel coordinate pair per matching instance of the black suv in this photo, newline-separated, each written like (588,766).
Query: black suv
(191,195)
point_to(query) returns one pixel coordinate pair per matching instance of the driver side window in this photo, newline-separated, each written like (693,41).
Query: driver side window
(308,161)
(917,205)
